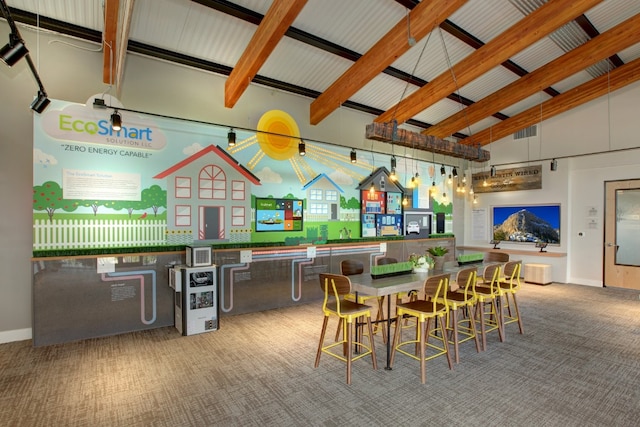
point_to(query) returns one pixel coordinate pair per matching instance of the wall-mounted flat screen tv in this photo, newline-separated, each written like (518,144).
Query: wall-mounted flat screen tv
(527,223)
(278,214)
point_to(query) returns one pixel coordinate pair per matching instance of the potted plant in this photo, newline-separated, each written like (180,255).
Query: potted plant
(421,263)
(438,253)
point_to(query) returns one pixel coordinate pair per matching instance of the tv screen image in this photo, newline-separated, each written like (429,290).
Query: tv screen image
(527,223)
(279,214)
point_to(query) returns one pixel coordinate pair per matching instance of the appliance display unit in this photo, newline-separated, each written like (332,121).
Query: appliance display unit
(197,308)
(198,256)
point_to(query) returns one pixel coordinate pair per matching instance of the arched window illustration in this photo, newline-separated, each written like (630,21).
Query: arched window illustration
(212,183)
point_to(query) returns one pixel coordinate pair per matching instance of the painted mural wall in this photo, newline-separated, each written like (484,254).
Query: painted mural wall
(164,181)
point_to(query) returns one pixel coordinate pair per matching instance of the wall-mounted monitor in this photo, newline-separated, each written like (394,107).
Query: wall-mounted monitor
(278,214)
(526,223)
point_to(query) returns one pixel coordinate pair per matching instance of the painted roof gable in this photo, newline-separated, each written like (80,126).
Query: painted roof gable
(220,153)
(318,178)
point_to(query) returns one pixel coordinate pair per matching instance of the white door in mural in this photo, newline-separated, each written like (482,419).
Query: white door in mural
(622,234)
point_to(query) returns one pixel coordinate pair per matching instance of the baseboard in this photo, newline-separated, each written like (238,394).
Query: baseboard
(15,335)
(594,283)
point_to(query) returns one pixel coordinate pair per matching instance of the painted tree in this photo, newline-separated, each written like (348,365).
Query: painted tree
(154,197)
(48,197)
(128,205)
(93,204)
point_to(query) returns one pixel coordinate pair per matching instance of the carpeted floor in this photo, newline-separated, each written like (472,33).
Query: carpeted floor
(578,364)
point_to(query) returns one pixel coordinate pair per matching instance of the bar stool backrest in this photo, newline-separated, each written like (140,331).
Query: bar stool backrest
(435,288)
(466,280)
(495,256)
(349,267)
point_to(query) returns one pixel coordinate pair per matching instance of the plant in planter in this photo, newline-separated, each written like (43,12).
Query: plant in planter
(438,253)
(421,262)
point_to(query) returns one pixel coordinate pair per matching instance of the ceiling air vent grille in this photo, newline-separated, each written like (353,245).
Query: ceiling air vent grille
(526,132)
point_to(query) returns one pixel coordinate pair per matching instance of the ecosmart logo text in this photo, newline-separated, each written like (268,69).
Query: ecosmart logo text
(77,123)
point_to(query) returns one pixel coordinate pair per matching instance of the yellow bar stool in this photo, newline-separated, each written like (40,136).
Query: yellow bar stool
(335,287)
(350,267)
(462,300)
(424,311)
(487,292)
(509,286)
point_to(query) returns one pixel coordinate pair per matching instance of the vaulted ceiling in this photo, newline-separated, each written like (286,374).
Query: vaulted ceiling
(474,70)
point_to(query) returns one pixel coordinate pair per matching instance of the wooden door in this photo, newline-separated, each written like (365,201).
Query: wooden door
(622,234)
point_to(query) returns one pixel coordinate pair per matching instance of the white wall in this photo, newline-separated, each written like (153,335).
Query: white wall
(601,126)
(74,74)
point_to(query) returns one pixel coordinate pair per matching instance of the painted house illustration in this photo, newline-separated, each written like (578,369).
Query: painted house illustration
(208,198)
(323,199)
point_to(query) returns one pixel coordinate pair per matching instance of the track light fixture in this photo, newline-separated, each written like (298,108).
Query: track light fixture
(13,51)
(354,156)
(302,150)
(393,163)
(443,172)
(554,165)
(40,103)
(454,171)
(116,121)
(493,171)
(231,138)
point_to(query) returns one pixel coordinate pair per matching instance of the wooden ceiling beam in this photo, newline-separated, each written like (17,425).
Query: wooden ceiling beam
(524,33)
(117,17)
(600,86)
(601,47)
(422,19)
(109,37)
(276,22)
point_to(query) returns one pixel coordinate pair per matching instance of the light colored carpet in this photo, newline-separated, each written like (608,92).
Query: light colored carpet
(578,364)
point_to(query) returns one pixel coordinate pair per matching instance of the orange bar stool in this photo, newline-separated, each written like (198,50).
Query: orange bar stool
(424,311)
(335,287)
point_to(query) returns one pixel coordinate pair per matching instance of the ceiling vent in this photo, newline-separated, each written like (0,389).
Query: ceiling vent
(526,132)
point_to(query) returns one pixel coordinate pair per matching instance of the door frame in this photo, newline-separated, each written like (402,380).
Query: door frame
(616,275)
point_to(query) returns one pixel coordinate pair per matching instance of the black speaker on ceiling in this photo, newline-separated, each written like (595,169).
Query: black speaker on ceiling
(439,222)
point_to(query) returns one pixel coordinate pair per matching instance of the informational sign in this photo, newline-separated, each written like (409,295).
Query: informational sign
(514,179)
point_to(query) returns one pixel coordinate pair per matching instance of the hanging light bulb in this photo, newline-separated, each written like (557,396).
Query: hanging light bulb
(116,121)
(471,191)
(231,138)
(464,178)
(450,180)
(485,183)
(463,189)
(444,197)
(475,200)
(417,177)
(372,189)
(433,187)
(393,176)
(405,201)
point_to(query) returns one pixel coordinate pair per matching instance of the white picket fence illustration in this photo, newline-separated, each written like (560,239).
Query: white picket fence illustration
(85,233)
